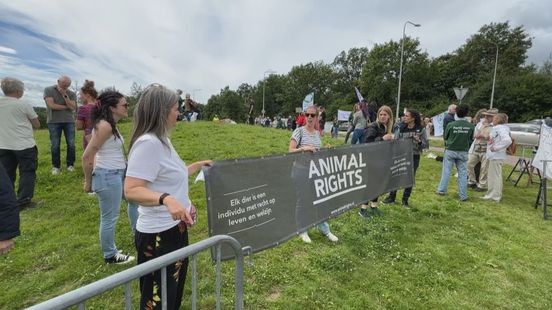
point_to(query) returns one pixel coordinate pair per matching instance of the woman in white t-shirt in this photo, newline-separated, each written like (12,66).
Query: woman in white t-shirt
(157,180)
(103,164)
(307,139)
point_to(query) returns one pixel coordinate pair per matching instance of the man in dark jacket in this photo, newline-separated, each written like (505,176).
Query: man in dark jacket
(458,138)
(449,117)
(9,213)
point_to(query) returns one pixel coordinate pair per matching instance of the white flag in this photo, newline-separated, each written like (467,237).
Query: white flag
(308,101)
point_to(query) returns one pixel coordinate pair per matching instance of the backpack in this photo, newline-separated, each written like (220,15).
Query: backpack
(511,149)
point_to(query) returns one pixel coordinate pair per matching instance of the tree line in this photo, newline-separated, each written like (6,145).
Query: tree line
(523,91)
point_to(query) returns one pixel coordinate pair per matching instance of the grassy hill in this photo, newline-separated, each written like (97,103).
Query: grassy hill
(439,254)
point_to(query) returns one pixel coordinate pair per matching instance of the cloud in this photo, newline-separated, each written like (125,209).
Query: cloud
(208,45)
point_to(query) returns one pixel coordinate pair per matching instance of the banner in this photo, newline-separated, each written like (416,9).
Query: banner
(343,115)
(264,201)
(308,101)
(437,121)
(359,95)
(545,151)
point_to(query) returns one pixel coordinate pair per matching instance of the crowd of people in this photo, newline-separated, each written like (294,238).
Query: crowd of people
(153,179)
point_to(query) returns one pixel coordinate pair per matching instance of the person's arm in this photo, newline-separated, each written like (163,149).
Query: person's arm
(35,122)
(54,106)
(194,167)
(70,101)
(136,191)
(102,132)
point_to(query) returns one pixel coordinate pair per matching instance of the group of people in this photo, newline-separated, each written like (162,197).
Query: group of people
(153,179)
(483,141)
(383,128)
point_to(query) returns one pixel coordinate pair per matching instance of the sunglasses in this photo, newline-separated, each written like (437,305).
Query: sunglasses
(310,114)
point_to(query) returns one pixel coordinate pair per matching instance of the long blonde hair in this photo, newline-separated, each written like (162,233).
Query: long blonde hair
(152,113)
(389,125)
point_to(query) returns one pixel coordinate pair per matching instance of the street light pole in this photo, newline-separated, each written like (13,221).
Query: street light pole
(264,82)
(401,67)
(494,75)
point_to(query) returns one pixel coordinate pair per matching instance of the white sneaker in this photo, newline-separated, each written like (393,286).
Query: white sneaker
(70,168)
(332,237)
(55,171)
(305,237)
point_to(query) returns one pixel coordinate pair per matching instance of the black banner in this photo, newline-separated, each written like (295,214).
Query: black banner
(264,201)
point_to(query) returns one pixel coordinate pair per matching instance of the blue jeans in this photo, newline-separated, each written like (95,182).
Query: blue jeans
(358,136)
(460,160)
(108,185)
(324,228)
(55,130)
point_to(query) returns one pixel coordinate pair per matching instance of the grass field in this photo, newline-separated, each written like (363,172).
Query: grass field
(440,254)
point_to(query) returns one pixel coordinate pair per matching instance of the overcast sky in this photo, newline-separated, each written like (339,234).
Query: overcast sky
(203,46)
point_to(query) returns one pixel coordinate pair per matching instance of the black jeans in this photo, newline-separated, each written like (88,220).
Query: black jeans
(27,161)
(408,190)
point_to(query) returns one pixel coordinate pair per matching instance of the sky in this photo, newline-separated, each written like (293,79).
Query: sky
(202,46)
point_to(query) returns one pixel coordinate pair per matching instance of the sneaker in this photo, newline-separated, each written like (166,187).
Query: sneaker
(305,237)
(332,237)
(405,203)
(376,211)
(364,213)
(388,200)
(472,186)
(479,189)
(55,171)
(70,168)
(440,193)
(119,258)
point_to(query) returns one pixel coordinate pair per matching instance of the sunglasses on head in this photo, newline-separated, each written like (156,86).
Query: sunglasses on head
(310,114)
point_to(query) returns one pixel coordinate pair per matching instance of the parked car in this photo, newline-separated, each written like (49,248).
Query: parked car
(525,134)
(535,121)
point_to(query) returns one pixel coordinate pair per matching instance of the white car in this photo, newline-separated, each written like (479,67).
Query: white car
(525,134)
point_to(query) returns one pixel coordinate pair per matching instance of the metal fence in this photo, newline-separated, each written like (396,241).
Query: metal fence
(81,295)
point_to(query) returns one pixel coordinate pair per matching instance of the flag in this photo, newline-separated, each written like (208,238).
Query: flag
(308,101)
(359,96)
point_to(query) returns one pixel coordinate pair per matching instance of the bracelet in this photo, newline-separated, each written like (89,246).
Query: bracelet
(162,197)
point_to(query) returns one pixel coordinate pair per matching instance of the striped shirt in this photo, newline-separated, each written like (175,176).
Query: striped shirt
(305,138)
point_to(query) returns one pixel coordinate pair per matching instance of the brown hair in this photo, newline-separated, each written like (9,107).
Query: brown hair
(89,89)
(389,125)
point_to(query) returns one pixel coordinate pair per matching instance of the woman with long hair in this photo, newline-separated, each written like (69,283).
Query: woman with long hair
(157,180)
(84,114)
(104,164)
(380,130)
(307,139)
(411,129)
(359,124)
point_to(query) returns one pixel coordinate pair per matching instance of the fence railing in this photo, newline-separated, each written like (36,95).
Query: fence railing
(81,295)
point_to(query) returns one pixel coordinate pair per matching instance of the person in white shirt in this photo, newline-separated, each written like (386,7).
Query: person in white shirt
(17,145)
(157,180)
(104,164)
(499,140)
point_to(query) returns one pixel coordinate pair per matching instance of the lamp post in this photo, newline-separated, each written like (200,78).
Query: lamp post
(194,91)
(400,69)
(264,82)
(494,75)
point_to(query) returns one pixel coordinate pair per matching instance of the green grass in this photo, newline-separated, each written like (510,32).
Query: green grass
(440,254)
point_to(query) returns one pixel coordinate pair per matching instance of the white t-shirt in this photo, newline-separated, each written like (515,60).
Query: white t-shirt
(16,130)
(111,153)
(164,172)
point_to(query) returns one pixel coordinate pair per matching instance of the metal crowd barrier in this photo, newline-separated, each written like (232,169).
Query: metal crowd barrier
(79,296)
